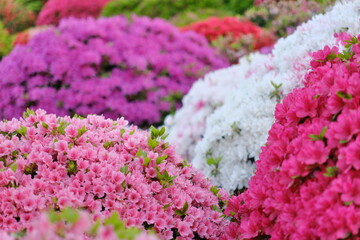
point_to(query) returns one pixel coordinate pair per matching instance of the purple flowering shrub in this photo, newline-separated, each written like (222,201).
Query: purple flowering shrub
(100,165)
(138,69)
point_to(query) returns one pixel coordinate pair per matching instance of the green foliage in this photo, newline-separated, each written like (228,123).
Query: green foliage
(33,5)
(277,91)
(15,16)
(165,179)
(211,161)
(28,113)
(182,212)
(72,168)
(22,131)
(158,8)
(331,171)
(6,41)
(187,17)
(240,6)
(321,136)
(81,131)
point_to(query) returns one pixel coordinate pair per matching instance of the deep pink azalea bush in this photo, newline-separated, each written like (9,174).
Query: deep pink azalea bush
(76,225)
(55,10)
(101,165)
(138,69)
(307,183)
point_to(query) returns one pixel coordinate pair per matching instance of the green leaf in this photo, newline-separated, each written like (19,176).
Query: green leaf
(61,128)
(331,171)
(132,132)
(123,184)
(27,113)
(153,143)
(331,57)
(22,130)
(348,203)
(345,95)
(165,145)
(276,86)
(162,131)
(94,228)
(321,136)
(81,131)
(44,125)
(213,161)
(214,190)
(235,128)
(114,220)
(14,167)
(323,131)
(164,136)
(141,153)
(178,212)
(160,159)
(71,167)
(122,131)
(343,141)
(70,215)
(54,216)
(146,161)
(108,144)
(314,137)
(185,163)
(166,206)
(124,169)
(185,207)
(78,116)
(154,132)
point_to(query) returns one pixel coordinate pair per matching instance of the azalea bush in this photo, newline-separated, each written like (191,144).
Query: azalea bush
(55,10)
(232,36)
(15,16)
(73,224)
(6,41)
(306,183)
(138,69)
(158,8)
(51,163)
(282,17)
(225,148)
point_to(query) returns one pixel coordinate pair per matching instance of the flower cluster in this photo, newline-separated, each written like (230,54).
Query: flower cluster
(72,224)
(232,36)
(282,17)
(6,41)
(101,165)
(138,69)
(306,183)
(230,145)
(15,16)
(55,10)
